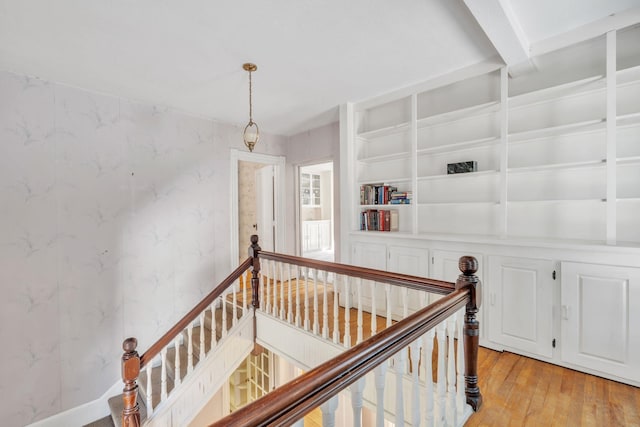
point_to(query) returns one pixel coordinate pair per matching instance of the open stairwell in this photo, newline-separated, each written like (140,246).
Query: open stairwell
(177,368)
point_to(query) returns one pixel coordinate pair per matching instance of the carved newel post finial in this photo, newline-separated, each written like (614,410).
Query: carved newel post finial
(468,266)
(130,373)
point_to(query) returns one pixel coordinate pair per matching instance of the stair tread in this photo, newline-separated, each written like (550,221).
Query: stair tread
(102,422)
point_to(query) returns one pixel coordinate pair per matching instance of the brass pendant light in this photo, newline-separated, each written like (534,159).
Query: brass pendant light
(251,132)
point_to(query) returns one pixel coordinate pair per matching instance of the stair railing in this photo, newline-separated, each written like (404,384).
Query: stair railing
(214,302)
(287,404)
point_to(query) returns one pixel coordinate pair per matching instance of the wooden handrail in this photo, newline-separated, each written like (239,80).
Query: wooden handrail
(290,402)
(167,338)
(411,282)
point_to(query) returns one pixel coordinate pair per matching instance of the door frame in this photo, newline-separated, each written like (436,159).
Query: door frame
(279,191)
(297,203)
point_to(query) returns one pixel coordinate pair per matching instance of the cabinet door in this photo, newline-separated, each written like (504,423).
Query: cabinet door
(413,261)
(519,304)
(370,255)
(601,318)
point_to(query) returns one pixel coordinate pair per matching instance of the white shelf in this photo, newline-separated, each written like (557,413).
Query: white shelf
(558,166)
(458,175)
(384,181)
(438,204)
(460,114)
(635,160)
(628,199)
(574,88)
(567,129)
(388,130)
(550,201)
(460,146)
(386,157)
(387,206)
(628,75)
(628,119)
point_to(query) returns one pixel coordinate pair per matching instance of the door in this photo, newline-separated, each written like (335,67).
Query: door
(519,304)
(601,318)
(413,261)
(265,209)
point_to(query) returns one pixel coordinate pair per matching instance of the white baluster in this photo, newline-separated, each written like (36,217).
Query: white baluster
(306,299)
(357,402)
(282,305)
(328,409)
(201,356)
(461,398)
(399,367)
(336,320)
(427,354)
(405,302)
(163,374)
(316,321)
(234,313)
(441,384)
(267,286)
(380,372)
(359,297)
(223,304)
(451,372)
(149,389)
(190,348)
(214,337)
(347,310)
(325,307)
(274,286)
(289,300)
(176,361)
(387,292)
(374,318)
(245,284)
(298,277)
(415,383)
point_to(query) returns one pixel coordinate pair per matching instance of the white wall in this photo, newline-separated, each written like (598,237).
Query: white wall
(113,223)
(313,146)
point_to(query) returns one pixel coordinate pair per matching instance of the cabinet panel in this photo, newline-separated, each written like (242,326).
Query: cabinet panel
(600,318)
(520,304)
(413,261)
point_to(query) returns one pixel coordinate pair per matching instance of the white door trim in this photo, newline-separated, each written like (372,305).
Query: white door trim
(279,187)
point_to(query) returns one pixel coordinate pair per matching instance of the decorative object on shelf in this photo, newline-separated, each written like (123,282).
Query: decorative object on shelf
(251,132)
(462,167)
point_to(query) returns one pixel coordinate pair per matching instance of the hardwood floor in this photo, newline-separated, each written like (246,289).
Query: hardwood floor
(519,391)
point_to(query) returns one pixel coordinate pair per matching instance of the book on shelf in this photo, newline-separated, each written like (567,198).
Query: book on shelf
(379,220)
(381,194)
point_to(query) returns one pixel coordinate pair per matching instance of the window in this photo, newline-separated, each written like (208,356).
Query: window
(310,189)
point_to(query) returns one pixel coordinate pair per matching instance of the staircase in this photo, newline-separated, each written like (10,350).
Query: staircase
(173,375)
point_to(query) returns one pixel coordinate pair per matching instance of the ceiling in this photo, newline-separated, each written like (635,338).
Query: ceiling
(311,55)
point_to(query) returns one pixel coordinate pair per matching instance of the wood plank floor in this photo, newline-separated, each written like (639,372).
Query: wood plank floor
(519,391)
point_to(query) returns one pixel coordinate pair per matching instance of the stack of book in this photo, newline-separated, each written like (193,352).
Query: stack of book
(400,198)
(379,220)
(376,194)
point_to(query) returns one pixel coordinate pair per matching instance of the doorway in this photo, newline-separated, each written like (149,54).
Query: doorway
(315,204)
(257,189)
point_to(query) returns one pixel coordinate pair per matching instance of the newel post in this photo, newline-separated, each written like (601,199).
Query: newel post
(254,253)
(469,266)
(130,372)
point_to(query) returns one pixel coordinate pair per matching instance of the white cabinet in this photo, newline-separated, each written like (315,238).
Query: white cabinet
(601,318)
(518,304)
(316,235)
(413,261)
(369,255)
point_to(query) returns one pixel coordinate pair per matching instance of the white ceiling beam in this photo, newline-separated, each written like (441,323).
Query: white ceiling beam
(500,24)
(588,31)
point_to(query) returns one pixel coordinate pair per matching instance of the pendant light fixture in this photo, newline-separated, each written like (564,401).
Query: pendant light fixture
(251,132)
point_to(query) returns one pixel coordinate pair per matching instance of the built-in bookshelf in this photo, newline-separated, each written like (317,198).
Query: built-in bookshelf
(556,158)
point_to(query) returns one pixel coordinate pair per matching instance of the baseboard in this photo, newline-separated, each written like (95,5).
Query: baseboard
(83,414)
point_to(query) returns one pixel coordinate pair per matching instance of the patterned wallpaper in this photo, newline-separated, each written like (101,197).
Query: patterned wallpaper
(113,223)
(246,204)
